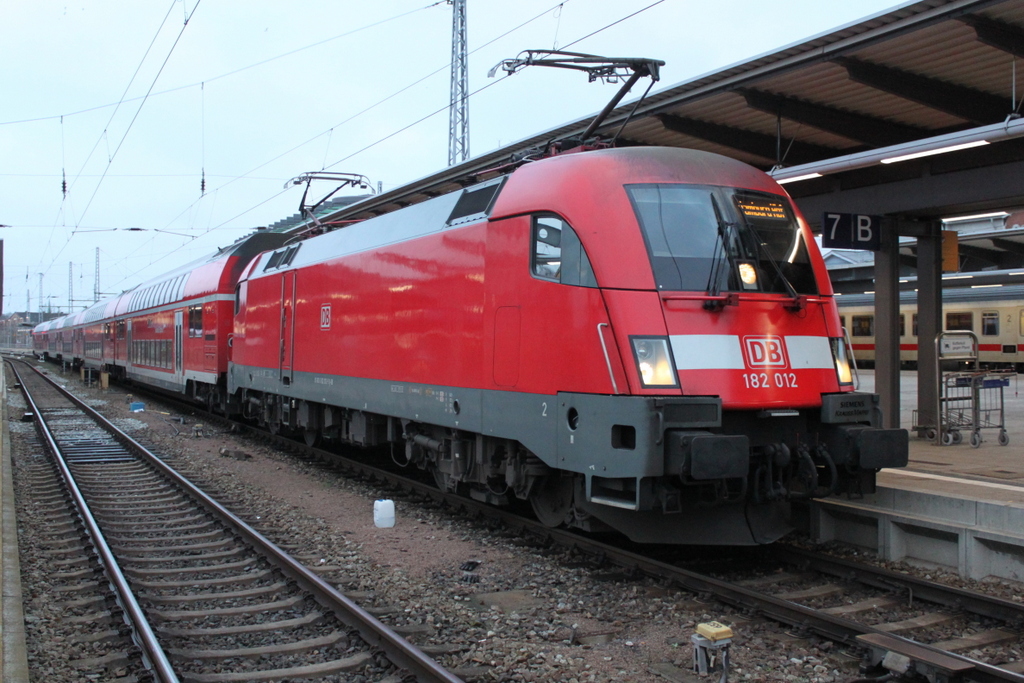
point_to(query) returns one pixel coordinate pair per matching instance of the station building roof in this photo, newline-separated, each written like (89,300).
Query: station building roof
(923,76)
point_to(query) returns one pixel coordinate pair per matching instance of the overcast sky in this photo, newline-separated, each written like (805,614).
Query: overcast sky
(255,93)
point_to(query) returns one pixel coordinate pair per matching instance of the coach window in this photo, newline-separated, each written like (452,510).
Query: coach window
(863,326)
(842,321)
(913,323)
(903,325)
(990,323)
(195,321)
(558,255)
(960,321)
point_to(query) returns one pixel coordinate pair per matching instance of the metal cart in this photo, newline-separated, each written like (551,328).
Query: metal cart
(969,400)
(989,407)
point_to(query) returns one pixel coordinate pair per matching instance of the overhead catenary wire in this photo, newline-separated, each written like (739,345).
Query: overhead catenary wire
(103,134)
(130,124)
(139,110)
(366,110)
(331,130)
(202,127)
(223,75)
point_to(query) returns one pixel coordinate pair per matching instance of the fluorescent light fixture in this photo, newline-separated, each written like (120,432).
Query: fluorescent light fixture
(1015,273)
(870,292)
(806,176)
(957,277)
(994,214)
(930,152)
(982,286)
(902,281)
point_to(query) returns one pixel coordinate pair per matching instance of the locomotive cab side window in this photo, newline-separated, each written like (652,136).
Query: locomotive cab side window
(558,255)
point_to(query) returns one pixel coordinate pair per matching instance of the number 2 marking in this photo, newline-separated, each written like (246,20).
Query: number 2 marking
(543,409)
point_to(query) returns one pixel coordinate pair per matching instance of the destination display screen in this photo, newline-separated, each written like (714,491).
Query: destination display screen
(763,208)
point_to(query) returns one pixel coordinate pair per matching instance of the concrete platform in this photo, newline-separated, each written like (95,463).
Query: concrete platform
(957,507)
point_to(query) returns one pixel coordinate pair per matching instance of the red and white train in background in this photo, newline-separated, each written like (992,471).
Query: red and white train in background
(639,339)
(994,313)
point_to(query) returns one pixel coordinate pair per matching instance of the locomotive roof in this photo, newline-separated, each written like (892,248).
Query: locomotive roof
(564,184)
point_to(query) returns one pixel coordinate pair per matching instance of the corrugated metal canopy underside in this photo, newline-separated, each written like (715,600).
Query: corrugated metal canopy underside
(921,70)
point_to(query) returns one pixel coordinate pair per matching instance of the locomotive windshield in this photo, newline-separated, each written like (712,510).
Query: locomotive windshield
(703,238)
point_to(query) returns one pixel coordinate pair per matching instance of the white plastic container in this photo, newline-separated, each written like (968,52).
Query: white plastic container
(384,513)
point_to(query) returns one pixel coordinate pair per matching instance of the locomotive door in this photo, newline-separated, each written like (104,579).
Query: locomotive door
(287,325)
(179,367)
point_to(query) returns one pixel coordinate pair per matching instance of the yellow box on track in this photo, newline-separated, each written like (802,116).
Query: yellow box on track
(712,630)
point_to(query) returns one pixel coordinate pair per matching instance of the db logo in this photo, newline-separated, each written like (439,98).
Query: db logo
(325,317)
(765,352)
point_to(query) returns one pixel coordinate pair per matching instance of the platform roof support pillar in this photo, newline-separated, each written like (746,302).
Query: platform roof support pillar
(929,320)
(887,324)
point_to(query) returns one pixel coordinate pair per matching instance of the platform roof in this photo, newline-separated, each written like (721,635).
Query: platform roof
(915,77)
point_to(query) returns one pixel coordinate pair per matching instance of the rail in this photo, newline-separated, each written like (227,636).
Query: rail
(398,650)
(143,633)
(832,627)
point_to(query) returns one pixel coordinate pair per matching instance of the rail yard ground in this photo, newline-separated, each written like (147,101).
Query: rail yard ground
(527,613)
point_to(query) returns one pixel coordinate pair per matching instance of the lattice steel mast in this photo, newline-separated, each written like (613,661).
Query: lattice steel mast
(458,111)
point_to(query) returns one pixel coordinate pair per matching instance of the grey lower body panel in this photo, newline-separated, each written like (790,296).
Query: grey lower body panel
(607,436)
(635,471)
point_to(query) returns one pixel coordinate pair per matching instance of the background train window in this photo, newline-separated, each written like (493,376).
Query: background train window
(914,324)
(903,325)
(863,326)
(963,320)
(842,321)
(990,323)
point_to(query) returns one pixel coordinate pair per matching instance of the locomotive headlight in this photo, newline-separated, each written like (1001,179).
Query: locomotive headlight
(748,274)
(654,362)
(842,359)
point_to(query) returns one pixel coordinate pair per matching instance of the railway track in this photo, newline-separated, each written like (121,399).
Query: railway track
(894,618)
(907,623)
(207,598)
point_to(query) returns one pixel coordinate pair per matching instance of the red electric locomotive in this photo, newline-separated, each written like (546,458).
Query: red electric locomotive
(640,339)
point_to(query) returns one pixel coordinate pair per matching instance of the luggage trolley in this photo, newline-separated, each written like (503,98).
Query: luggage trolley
(989,407)
(969,400)
(953,409)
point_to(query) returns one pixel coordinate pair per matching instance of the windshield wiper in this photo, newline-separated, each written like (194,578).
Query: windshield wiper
(715,301)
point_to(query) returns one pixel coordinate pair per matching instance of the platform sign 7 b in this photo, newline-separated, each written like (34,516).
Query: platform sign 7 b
(851,231)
